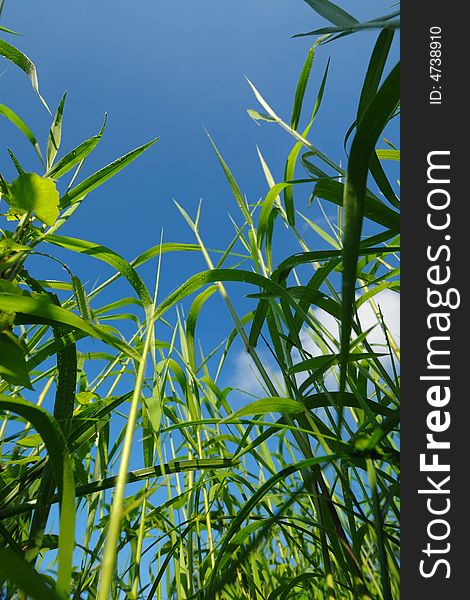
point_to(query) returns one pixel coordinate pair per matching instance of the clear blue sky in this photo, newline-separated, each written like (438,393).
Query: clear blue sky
(169,69)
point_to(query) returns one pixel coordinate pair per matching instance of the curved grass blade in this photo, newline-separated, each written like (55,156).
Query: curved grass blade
(39,309)
(375,71)
(375,210)
(216,582)
(332,13)
(108,256)
(191,323)
(55,134)
(233,184)
(62,467)
(291,162)
(79,192)
(75,156)
(301,88)
(21,125)
(24,63)
(369,129)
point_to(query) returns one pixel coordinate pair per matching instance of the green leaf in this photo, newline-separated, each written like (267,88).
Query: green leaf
(55,134)
(388,154)
(21,125)
(375,210)
(289,172)
(332,13)
(153,406)
(24,63)
(30,441)
(108,256)
(31,193)
(237,194)
(325,361)
(62,466)
(371,125)
(191,322)
(389,22)
(75,156)
(13,366)
(40,309)
(19,572)
(301,88)
(374,71)
(79,192)
(269,405)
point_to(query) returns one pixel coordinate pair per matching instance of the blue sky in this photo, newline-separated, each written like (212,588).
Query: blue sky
(169,69)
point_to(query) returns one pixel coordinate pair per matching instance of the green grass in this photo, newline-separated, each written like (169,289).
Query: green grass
(290,492)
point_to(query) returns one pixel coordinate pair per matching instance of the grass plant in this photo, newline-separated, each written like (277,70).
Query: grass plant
(291,491)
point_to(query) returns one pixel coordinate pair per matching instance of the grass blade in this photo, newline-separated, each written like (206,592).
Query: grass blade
(21,125)
(24,63)
(79,192)
(332,13)
(369,129)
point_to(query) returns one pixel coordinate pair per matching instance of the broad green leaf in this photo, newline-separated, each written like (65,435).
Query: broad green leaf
(31,193)
(21,125)
(79,192)
(24,63)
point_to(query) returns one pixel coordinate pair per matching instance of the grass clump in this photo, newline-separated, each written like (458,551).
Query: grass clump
(289,490)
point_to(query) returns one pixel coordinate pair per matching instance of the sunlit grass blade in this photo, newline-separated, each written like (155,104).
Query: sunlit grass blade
(332,12)
(55,134)
(289,172)
(24,63)
(77,193)
(75,156)
(108,256)
(41,310)
(21,125)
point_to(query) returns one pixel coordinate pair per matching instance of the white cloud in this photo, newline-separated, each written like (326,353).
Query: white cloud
(386,300)
(245,376)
